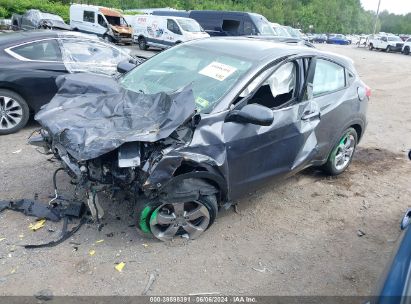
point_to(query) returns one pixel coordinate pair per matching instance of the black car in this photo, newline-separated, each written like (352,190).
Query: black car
(204,123)
(30,62)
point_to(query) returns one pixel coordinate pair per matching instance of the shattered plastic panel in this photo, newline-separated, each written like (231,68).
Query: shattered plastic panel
(92,56)
(92,115)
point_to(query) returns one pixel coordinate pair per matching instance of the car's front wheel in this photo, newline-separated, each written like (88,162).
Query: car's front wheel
(406,50)
(342,153)
(14,112)
(186,218)
(108,38)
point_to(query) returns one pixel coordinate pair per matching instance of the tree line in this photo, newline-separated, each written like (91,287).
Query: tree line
(321,16)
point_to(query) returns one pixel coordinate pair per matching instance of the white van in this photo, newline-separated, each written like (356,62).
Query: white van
(164,31)
(104,22)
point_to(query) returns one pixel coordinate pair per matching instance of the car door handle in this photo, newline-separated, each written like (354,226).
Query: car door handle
(311,115)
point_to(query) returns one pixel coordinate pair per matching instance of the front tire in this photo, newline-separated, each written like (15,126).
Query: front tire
(342,153)
(371,46)
(166,220)
(14,112)
(142,44)
(108,39)
(406,50)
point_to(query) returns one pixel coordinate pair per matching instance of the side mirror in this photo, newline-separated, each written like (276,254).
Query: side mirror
(252,113)
(125,66)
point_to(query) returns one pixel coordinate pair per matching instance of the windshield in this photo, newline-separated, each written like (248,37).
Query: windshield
(211,73)
(117,21)
(292,32)
(394,39)
(189,25)
(281,31)
(263,26)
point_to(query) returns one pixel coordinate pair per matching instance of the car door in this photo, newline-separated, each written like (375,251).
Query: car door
(330,92)
(33,75)
(257,153)
(172,34)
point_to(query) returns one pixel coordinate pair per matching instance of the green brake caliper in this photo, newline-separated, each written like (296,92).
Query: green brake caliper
(143,219)
(333,154)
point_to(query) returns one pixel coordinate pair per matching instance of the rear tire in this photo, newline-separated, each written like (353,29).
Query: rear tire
(142,44)
(371,47)
(14,112)
(342,153)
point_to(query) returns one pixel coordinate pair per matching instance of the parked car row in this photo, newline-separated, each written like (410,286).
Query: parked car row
(161,29)
(389,43)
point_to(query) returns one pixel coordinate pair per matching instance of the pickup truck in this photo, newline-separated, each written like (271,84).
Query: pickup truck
(387,43)
(35,19)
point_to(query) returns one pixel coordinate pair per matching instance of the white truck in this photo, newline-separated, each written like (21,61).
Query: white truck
(406,47)
(164,31)
(389,43)
(101,21)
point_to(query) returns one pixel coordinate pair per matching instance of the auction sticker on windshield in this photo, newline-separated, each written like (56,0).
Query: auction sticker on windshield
(217,70)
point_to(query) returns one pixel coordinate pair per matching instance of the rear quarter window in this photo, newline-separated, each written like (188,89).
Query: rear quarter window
(48,50)
(329,77)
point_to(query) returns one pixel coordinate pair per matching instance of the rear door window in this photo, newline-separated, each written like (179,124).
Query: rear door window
(89,16)
(46,50)
(88,51)
(231,26)
(328,77)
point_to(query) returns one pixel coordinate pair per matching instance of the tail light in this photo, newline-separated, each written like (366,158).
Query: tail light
(368,91)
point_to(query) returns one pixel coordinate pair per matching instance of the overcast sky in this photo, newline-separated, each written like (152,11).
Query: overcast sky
(400,7)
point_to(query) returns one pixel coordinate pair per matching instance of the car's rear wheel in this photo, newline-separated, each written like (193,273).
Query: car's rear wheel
(342,153)
(142,43)
(14,112)
(187,218)
(406,50)
(371,46)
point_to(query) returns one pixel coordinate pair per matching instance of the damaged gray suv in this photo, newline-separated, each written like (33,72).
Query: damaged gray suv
(203,123)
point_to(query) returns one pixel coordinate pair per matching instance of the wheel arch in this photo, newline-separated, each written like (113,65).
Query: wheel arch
(205,172)
(359,129)
(11,88)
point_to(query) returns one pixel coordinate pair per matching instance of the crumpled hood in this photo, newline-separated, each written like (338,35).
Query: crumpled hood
(91,115)
(55,24)
(122,29)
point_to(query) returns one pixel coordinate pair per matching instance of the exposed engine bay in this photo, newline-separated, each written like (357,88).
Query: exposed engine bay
(109,139)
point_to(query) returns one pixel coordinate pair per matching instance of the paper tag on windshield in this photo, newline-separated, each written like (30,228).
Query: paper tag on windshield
(217,70)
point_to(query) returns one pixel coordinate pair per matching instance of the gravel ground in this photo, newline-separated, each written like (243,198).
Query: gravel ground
(297,237)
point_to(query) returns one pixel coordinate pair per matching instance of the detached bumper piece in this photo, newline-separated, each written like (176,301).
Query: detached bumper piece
(53,213)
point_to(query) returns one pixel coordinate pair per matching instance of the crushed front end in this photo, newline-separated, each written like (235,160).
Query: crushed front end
(110,139)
